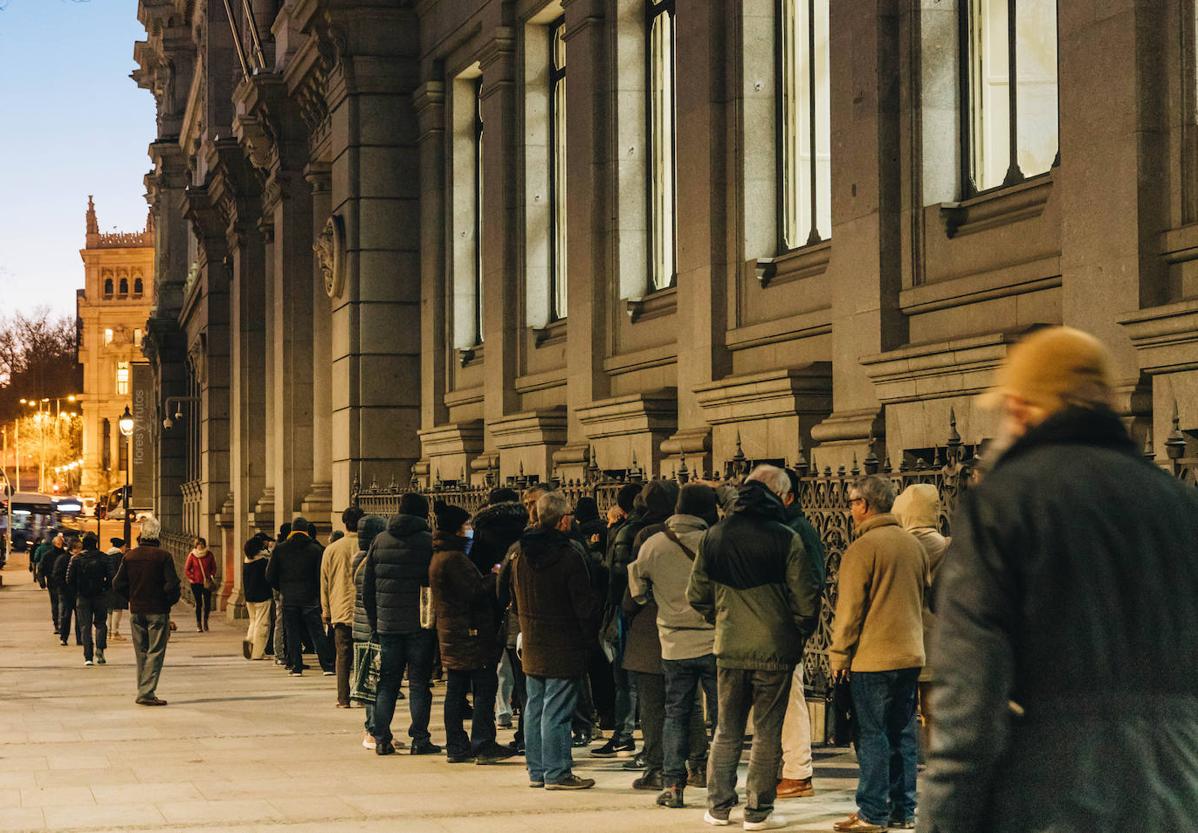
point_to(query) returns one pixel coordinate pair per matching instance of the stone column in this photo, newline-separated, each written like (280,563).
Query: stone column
(865,270)
(289,199)
(430,112)
(588,136)
(318,502)
(262,514)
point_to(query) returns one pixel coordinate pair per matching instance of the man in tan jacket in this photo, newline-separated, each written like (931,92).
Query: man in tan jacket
(877,644)
(337,598)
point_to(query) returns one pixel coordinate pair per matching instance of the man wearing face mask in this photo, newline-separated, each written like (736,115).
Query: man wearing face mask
(1067,607)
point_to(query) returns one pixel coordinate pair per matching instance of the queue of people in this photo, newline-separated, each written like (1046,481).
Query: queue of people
(1013,654)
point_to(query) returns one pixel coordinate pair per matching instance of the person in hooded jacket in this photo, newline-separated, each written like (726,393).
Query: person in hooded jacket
(396,569)
(257,593)
(918,510)
(89,574)
(552,597)
(66,594)
(294,570)
(117,604)
(45,576)
(368,529)
(754,581)
(468,632)
(1066,695)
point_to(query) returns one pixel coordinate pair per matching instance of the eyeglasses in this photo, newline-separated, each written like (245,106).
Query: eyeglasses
(853,500)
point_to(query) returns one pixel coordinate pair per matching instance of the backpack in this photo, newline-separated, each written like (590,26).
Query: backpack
(93,577)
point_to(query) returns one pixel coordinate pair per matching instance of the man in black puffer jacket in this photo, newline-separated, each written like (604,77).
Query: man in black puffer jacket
(294,570)
(395,571)
(496,527)
(1066,695)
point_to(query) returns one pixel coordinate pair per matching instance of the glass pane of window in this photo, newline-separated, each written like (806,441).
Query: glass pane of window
(557,174)
(108,335)
(478,210)
(1036,85)
(804,85)
(661,131)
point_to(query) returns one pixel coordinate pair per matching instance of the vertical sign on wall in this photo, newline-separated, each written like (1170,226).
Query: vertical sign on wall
(144,417)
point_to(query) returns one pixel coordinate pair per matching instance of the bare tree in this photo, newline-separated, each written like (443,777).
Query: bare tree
(38,358)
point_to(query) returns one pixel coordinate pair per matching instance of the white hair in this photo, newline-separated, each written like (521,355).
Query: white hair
(773,478)
(150,528)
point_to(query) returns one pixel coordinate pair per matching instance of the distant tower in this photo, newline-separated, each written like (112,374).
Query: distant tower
(93,225)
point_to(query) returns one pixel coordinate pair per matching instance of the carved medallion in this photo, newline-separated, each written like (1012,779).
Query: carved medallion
(330,254)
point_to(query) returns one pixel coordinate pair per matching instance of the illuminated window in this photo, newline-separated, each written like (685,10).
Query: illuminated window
(662,195)
(108,335)
(1009,79)
(122,379)
(804,95)
(137,338)
(557,167)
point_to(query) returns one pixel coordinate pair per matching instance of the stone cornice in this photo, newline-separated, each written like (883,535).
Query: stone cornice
(497,60)
(774,393)
(654,412)
(1165,337)
(544,427)
(429,103)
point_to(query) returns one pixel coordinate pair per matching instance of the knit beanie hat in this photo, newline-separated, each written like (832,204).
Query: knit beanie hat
(449,518)
(586,510)
(415,504)
(660,496)
(627,495)
(502,495)
(698,500)
(1055,368)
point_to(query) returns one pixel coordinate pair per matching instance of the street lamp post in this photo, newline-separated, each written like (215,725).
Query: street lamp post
(126,425)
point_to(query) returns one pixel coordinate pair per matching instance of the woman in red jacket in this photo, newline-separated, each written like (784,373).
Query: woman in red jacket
(200,570)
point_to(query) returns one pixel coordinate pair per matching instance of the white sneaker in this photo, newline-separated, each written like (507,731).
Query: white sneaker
(770,822)
(715,821)
(368,742)
(87,662)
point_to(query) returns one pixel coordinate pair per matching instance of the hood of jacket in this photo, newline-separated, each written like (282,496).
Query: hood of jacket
(659,496)
(368,529)
(402,526)
(543,547)
(507,515)
(918,507)
(755,499)
(448,542)
(681,524)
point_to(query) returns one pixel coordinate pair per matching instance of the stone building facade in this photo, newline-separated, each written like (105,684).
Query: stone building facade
(111,310)
(419,241)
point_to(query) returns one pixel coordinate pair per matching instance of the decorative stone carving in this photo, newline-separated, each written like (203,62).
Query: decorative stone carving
(330,253)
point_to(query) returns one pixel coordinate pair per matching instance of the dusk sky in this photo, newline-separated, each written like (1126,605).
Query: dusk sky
(72,123)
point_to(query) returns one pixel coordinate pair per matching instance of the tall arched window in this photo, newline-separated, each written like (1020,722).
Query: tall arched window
(557,168)
(805,125)
(1009,123)
(108,287)
(124,292)
(138,287)
(662,146)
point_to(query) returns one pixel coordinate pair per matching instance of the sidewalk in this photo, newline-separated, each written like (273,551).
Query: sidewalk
(243,747)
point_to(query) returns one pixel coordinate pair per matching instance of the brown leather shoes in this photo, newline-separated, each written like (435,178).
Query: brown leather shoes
(856,824)
(795,788)
(149,701)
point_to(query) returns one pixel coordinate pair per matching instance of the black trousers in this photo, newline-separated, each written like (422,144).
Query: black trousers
(66,611)
(54,606)
(519,692)
(203,600)
(483,684)
(306,620)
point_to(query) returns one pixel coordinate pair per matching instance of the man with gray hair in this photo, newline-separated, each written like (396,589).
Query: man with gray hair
(147,578)
(877,645)
(754,581)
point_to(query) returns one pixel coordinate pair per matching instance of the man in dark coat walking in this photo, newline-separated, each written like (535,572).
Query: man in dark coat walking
(1067,691)
(294,570)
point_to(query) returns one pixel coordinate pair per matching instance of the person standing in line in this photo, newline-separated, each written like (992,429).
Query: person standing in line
(337,598)
(294,570)
(147,578)
(551,595)
(396,569)
(662,572)
(38,549)
(45,576)
(468,631)
(368,529)
(754,581)
(66,594)
(1066,695)
(200,571)
(877,645)
(89,575)
(278,637)
(798,765)
(918,510)
(256,590)
(117,605)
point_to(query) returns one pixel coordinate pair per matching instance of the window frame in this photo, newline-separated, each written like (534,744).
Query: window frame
(122,378)
(479,131)
(558,274)
(653,10)
(965,57)
(109,288)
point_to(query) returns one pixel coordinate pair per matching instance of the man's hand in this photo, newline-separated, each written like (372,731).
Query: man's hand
(614,515)
(840,675)
(326,620)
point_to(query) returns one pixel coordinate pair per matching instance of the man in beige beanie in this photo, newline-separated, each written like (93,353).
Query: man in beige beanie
(1066,691)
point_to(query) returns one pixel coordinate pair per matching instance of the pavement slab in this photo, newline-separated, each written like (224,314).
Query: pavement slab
(243,748)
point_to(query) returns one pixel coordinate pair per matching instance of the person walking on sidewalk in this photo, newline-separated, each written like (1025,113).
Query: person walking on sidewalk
(147,578)
(1066,694)
(294,570)
(200,570)
(46,578)
(89,575)
(66,594)
(117,604)
(396,570)
(754,581)
(551,594)
(877,645)
(468,632)
(256,589)
(337,599)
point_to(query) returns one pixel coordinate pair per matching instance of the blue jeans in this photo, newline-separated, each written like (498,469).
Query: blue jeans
(303,619)
(547,738)
(887,743)
(683,678)
(415,652)
(625,706)
(92,612)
